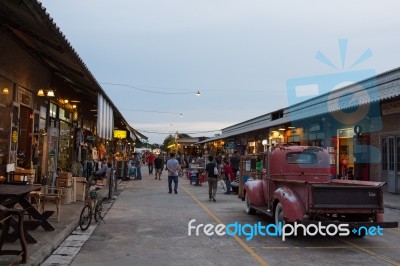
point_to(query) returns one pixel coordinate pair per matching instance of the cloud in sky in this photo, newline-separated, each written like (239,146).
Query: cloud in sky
(239,54)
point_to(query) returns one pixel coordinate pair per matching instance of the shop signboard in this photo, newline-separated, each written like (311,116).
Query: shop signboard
(119,134)
(90,138)
(230,145)
(14,136)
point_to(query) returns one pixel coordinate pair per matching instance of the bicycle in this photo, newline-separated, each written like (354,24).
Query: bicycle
(92,201)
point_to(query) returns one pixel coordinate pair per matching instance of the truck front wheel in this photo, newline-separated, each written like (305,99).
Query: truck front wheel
(279,214)
(249,209)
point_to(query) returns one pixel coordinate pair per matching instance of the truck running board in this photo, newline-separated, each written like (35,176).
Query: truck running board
(264,210)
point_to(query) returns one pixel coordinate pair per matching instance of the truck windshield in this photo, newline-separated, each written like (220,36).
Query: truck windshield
(301,158)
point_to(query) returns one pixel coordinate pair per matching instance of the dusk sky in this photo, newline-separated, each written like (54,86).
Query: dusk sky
(238,54)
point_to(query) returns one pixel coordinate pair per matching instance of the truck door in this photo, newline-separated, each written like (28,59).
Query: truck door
(266,178)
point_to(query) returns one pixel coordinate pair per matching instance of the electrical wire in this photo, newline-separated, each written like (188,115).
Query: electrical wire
(149,111)
(151,91)
(180,132)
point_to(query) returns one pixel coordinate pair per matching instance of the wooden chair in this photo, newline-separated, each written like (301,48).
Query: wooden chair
(34,198)
(51,194)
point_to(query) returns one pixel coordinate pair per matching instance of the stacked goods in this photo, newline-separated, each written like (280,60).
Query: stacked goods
(64,180)
(80,188)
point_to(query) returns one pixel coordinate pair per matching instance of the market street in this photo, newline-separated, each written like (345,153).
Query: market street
(148,226)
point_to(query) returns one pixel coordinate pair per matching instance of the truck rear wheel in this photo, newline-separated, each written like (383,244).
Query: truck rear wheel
(279,214)
(249,209)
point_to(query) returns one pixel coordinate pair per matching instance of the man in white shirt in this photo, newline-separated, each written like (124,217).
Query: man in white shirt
(173,167)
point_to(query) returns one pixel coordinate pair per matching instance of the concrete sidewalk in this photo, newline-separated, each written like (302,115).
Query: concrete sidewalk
(391,200)
(49,241)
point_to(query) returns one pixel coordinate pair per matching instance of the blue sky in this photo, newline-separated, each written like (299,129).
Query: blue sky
(238,54)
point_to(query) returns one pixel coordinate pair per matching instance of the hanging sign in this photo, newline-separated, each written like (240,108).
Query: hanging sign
(120,134)
(14,136)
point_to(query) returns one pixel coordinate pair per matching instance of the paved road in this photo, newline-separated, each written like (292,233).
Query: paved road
(148,226)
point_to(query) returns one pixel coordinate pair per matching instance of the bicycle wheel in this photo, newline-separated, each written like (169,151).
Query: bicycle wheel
(98,210)
(85,218)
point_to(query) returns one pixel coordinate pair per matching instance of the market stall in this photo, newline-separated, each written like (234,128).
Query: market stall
(248,170)
(195,174)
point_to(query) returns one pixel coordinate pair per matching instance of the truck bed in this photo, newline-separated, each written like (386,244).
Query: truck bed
(329,196)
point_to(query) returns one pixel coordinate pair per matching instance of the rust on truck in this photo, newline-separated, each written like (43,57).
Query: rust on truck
(295,186)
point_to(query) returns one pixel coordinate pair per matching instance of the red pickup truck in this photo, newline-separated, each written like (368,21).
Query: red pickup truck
(295,187)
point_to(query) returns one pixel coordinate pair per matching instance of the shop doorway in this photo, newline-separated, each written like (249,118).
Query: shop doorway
(391,162)
(24,151)
(345,155)
(64,148)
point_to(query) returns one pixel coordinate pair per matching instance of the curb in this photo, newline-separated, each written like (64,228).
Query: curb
(47,249)
(392,206)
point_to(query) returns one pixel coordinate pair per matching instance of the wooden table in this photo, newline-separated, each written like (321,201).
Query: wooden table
(7,216)
(13,194)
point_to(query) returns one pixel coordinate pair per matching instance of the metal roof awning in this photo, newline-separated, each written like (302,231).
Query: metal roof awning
(358,95)
(29,25)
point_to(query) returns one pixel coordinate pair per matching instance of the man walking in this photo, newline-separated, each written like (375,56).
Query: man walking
(173,168)
(158,165)
(138,165)
(150,163)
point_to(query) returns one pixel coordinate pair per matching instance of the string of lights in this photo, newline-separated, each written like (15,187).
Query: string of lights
(151,91)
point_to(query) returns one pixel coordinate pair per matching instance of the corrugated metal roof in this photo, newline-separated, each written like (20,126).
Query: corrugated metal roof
(373,89)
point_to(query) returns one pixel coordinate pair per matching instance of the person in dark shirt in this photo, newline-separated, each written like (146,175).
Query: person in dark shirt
(234,162)
(158,165)
(212,178)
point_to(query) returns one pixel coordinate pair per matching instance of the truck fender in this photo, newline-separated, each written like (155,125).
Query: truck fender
(254,191)
(293,207)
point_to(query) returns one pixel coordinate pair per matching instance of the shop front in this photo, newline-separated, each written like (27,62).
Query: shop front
(6,132)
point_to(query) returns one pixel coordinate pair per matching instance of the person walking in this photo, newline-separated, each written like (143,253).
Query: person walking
(138,165)
(158,165)
(200,160)
(212,178)
(234,162)
(229,176)
(150,163)
(173,168)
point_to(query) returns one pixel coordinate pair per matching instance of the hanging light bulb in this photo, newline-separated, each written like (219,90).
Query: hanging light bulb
(40,92)
(50,93)
(5,91)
